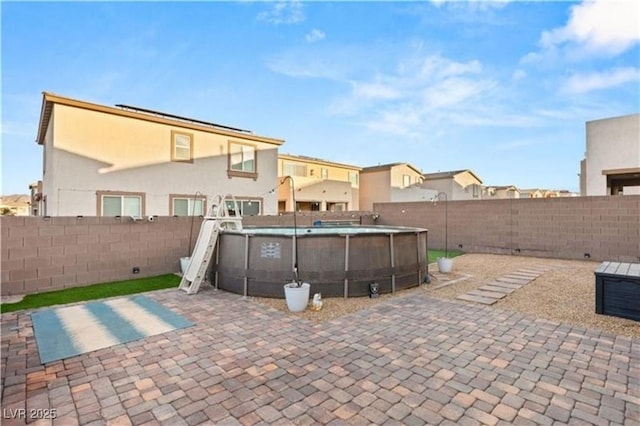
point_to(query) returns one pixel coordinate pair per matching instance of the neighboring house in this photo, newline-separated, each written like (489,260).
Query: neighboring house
(532,193)
(612,159)
(457,184)
(500,192)
(320,185)
(14,205)
(127,161)
(546,193)
(393,182)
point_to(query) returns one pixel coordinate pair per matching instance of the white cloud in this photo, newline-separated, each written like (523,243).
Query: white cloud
(454,91)
(283,12)
(366,90)
(583,83)
(601,26)
(472,4)
(315,35)
(421,93)
(518,75)
(407,93)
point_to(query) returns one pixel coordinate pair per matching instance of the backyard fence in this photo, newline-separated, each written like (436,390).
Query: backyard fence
(596,228)
(43,254)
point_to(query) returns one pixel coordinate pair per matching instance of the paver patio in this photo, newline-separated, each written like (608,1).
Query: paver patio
(412,360)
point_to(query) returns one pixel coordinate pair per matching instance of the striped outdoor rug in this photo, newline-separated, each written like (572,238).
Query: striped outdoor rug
(69,331)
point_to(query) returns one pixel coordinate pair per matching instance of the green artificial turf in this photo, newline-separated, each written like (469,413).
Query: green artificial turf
(92,292)
(435,254)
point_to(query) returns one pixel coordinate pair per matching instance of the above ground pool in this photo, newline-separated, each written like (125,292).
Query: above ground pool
(336,261)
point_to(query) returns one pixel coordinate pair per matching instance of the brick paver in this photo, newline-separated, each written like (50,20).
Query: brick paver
(409,360)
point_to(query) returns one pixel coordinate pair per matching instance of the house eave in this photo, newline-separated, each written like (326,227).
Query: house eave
(50,99)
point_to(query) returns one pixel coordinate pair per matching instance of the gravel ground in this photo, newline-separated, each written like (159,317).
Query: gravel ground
(566,293)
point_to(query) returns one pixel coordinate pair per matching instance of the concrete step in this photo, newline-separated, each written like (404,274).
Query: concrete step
(477,299)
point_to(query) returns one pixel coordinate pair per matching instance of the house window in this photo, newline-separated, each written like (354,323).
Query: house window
(181,147)
(247,207)
(120,204)
(476,190)
(353,178)
(293,169)
(336,207)
(242,160)
(324,173)
(182,205)
(406,181)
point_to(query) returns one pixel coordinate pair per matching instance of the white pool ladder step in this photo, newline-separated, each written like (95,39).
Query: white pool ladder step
(196,272)
(215,221)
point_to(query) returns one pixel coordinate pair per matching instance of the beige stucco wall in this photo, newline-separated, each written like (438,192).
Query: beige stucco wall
(374,188)
(440,185)
(316,190)
(397,173)
(95,151)
(312,188)
(412,193)
(612,143)
(48,176)
(503,194)
(458,187)
(385,184)
(336,172)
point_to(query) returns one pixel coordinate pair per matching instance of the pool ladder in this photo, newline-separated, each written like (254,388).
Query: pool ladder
(218,218)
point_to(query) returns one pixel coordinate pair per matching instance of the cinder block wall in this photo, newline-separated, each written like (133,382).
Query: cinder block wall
(41,254)
(46,254)
(605,228)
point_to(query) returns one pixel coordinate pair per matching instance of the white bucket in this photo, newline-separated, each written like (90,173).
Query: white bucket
(445,265)
(297,297)
(184,264)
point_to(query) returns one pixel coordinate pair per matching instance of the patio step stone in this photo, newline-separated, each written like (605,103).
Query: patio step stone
(505,285)
(494,288)
(484,293)
(478,299)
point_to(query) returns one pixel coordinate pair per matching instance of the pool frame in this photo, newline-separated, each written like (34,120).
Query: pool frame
(335,264)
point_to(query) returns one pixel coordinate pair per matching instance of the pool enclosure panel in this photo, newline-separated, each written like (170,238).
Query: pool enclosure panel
(335,265)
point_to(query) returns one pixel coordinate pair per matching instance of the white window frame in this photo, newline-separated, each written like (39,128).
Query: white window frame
(294,169)
(353,177)
(243,203)
(122,196)
(181,138)
(245,150)
(190,205)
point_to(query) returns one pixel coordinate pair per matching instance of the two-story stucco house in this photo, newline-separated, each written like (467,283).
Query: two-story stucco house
(457,184)
(126,161)
(392,182)
(612,159)
(500,192)
(320,185)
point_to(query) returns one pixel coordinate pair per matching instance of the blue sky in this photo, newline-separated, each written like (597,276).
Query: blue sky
(502,88)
